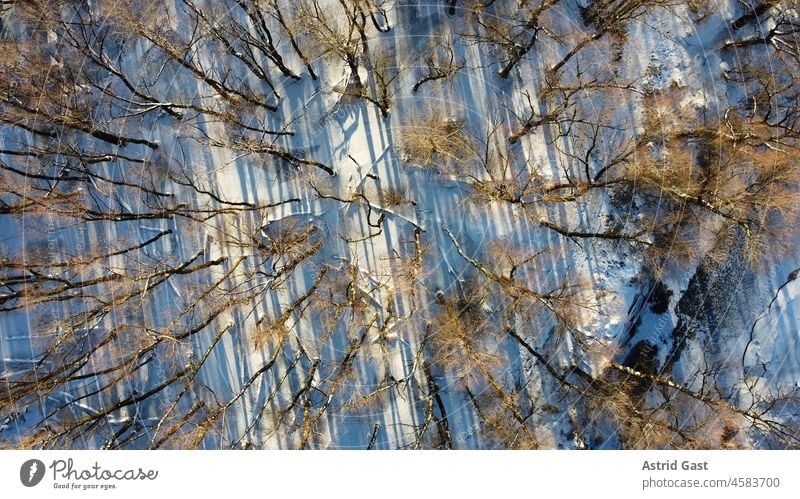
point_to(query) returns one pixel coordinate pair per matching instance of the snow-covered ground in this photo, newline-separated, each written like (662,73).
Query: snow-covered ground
(381,371)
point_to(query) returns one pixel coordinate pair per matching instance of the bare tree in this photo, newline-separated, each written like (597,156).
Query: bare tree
(441,64)
(514,31)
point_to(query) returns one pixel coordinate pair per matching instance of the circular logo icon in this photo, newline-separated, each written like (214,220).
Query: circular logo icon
(31,472)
